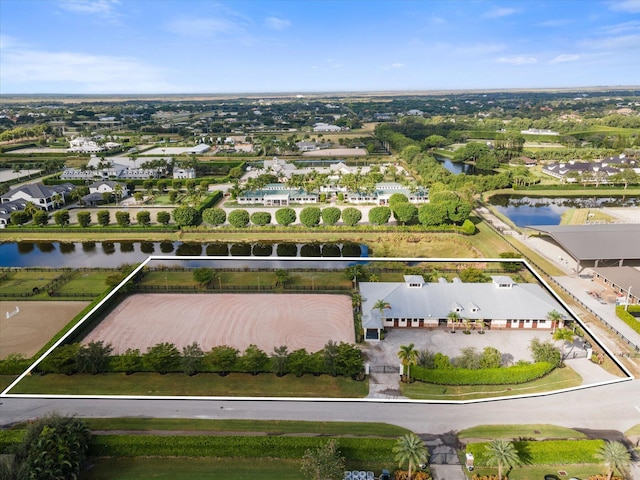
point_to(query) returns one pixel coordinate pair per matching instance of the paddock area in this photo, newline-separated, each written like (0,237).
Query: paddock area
(33,325)
(237,320)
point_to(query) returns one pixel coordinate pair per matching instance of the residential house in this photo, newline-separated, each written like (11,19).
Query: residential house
(42,196)
(276,195)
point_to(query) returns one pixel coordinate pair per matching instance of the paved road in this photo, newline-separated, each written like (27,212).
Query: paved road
(618,406)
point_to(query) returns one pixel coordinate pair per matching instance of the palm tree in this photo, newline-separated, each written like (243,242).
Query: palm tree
(502,453)
(408,355)
(563,335)
(410,450)
(555,317)
(381,305)
(454,318)
(56,198)
(30,209)
(117,190)
(616,457)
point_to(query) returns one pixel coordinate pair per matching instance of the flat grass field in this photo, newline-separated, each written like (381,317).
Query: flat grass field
(204,384)
(530,472)
(512,432)
(580,216)
(557,379)
(26,281)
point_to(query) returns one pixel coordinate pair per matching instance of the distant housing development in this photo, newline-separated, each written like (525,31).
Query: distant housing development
(415,303)
(600,171)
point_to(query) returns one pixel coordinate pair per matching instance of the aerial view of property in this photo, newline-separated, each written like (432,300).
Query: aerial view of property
(328,240)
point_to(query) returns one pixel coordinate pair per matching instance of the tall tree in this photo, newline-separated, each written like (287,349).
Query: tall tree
(381,305)
(563,335)
(502,453)
(408,355)
(323,463)
(454,318)
(616,457)
(556,319)
(410,450)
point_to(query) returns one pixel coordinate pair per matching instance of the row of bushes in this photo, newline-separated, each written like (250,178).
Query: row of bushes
(546,452)
(355,449)
(627,318)
(485,376)
(335,359)
(309,217)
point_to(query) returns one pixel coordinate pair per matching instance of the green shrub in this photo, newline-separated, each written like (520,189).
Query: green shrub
(238,218)
(310,216)
(285,216)
(210,201)
(485,376)
(468,228)
(330,215)
(214,216)
(546,452)
(627,318)
(351,216)
(355,449)
(260,219)
(186,216)
(379,215)
(9,439)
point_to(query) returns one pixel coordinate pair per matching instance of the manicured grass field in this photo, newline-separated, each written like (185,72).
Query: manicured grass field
(25,281)
(270,427)
(159,468)
(210,384)
(85,282)
(580,216)
(537,431)
(557,379)
(530,472)
(6,380)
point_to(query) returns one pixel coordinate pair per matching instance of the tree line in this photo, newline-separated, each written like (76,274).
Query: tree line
(335,359)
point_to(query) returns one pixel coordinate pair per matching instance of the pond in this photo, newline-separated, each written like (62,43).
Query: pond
(114,254)
(455,167)
(523,210)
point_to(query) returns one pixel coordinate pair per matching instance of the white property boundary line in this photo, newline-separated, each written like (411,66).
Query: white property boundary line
(361,260)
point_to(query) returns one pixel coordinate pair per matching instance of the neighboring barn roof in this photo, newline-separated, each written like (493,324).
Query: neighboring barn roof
(596,242)
(623,277)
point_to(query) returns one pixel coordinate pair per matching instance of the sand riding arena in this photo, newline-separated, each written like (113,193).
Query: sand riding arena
(237,320)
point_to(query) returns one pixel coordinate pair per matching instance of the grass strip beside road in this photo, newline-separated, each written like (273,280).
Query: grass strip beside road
(510,432)
(268,427)
(558,379)
(204,384)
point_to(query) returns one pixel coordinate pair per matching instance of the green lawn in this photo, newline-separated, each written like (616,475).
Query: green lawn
(270,427)
(539,432)
(85,282)
(635,430)
(579,216)
(156,468)
(530,472)
(25,281)
(6,380)
(557,379)
(139,468)
(204,384)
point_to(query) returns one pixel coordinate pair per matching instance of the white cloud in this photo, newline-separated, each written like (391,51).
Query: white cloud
(479,48)
(500,12)
(100,7)
(204,27)
(622,42)
(629,6)
(275,23)
(392,66)
(437,20)
(518,60)
(565,58)
(79,72)
(554,22)
(618,28)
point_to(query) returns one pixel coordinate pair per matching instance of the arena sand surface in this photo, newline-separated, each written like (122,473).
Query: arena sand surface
(236,320)
(34,326)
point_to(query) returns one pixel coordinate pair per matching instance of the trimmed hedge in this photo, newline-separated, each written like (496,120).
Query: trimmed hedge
(10,439)
(546,452)
(210,201)
(355,449)
(485,376)
(627,318)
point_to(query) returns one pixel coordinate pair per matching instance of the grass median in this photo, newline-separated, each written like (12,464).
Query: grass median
(204,384)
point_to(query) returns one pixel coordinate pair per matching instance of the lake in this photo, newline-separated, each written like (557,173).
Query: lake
(523,210)
(114,254)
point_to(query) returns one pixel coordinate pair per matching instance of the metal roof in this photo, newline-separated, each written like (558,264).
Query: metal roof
(623,277)
(612,241)
(471,300)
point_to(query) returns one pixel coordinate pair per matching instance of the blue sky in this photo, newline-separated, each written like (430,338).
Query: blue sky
(147,46)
